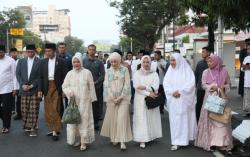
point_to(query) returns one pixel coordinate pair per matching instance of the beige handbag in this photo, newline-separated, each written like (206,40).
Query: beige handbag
(224,118)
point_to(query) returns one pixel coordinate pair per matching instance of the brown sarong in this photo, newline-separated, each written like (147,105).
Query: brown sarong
(30,110)
(52,105)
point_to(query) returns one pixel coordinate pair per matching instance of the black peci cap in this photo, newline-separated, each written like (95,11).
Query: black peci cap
(31,47)
(50,46)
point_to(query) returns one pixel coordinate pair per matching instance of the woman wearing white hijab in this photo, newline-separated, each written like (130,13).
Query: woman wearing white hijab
(179,86)
(79,83)
(146,122)
(117,94)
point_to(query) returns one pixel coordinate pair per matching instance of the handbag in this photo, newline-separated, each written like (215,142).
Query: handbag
(71,114)
(215,103)
(224,118)
(154,102)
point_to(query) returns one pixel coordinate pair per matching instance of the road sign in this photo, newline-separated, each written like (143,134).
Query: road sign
(16,31)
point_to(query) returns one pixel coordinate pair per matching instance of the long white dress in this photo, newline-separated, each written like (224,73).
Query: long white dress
(146,123)
(82,85)
(183,126)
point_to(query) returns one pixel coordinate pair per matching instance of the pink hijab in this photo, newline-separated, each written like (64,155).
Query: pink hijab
(218,74)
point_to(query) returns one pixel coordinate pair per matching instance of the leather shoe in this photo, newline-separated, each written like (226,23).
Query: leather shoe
(55,137)
(49,133)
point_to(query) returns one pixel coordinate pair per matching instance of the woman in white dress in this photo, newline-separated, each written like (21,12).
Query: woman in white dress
(146,122)
(179,86)
(117,94)
(79,83)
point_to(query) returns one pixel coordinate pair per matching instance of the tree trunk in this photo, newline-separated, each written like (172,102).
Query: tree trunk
(211,37)
(151,46)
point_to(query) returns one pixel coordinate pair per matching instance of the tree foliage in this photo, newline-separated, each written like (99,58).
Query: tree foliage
(10,18)
(233,12)
(186,39)
(125,45)
(144,20)
(74,44)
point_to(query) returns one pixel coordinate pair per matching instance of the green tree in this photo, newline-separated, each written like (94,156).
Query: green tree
(9,18)
(74,44)
(234,12)
(144,20)
(31,38)
(186,39)
(125,45)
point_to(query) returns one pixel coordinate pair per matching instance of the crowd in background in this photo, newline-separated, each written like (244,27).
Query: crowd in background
(108,86)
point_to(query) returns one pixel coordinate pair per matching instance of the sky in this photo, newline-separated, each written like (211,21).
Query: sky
(90,19)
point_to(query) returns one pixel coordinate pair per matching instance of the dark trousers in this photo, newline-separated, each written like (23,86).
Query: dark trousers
(162,93)
(200,97)
(100,101)
(6,101)
(17,104)
(241,84)
(97,106)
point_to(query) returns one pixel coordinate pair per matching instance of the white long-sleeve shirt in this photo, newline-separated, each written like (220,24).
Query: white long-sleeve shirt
(17,86)
(8,81)
(51,70)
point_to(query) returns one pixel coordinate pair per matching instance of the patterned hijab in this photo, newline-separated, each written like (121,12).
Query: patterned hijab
(144,71)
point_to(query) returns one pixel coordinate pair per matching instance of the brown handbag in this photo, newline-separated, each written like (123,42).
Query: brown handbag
(224,118)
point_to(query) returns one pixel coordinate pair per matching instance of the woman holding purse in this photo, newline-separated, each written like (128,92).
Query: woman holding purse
(146,122)
(117,93)
(79,84)
(212,133)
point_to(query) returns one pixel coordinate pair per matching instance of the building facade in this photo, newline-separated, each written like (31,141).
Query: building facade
(51,25)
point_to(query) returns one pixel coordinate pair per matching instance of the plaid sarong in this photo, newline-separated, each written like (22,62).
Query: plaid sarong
(30,110)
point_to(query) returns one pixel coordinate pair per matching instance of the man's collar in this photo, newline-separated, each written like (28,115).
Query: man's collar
(52,58)
(91,59)
(32,58)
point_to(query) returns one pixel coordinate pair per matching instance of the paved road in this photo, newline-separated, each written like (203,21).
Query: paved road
(235,101)
(18,144)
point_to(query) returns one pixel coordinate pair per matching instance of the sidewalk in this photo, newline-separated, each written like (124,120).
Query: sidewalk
(235,101)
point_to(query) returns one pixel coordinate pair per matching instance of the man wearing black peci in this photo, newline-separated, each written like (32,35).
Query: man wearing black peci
(52,74)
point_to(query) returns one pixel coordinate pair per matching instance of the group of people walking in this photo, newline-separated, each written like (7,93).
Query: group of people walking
(123,84)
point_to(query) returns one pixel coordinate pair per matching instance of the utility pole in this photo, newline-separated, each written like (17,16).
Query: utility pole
(164,42)
(131,44)
(220,36)
(7,38)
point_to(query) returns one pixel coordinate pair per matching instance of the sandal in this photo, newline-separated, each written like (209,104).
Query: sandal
(142,145)
(123,146)
(76,144)
(174,147)
(5,131)
(83,147)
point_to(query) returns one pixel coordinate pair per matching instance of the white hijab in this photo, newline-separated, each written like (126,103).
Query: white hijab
(180,78)
(78,56)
